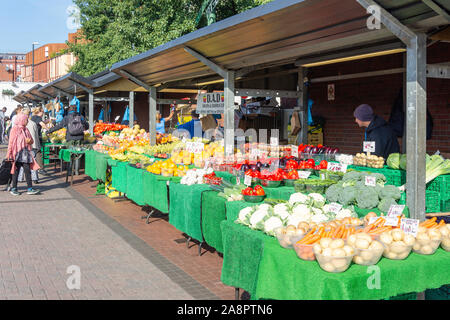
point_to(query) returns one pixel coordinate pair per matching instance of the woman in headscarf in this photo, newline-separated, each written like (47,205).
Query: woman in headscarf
(20,152)
(35,148)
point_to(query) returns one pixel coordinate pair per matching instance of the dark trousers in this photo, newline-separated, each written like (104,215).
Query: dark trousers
(27,172)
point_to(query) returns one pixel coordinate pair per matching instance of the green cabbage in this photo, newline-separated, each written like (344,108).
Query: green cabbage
(403,162)
(393,161)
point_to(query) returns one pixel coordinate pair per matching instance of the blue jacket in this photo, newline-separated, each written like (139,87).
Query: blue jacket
(194,127)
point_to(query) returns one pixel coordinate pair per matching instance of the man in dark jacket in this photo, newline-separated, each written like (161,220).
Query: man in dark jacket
(377,130)
(71,121)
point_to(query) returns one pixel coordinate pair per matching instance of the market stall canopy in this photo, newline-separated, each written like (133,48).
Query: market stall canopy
(111,81)
(71,84)
(20,98)
(38,94)
(278,33)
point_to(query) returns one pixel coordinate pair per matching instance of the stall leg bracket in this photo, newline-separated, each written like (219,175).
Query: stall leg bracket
(236,294)
(147,217)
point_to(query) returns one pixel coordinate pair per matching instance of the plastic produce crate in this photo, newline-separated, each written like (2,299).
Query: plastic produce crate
(442,293)
(445,205)
(431,201)
(393,177)
(441,185)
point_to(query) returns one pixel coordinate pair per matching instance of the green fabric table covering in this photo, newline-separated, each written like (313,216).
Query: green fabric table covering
(155,192)
(242,253)
(282,275)
(280,193)
(101,164)
(185,208)
(213,213)
(89,164)
(64,155)
(226,176)
(119,176)
(135,185)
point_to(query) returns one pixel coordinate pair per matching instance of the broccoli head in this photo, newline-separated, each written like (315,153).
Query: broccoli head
(367,198)
(385,204)
(347,196)
(390,191)
(332,193)
(352,175)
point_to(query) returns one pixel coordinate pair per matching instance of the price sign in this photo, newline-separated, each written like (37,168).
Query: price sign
(335,207)
(337,167)
(395,210)
(294,151)
(207,164)
(371,181)
(409,226)
(369,146)
(304,174)
(391,221)
(198,147)
(238,181)
(117,118)
(248,181)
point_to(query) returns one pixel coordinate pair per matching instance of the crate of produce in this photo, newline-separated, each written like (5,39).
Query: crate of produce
(394,177)
(445,205)
(431,201)
(441,185)
(442,293)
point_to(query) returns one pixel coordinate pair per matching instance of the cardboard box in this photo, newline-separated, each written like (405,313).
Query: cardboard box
(208,122)
(315,138)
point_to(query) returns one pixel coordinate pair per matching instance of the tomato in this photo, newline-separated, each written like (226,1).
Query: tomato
(293,174)
(323,164)
(259,192)
(317,167)
(311,162)
(291,164)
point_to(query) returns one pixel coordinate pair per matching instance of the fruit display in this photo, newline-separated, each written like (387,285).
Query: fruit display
(101,127)
(229,191)
(288,236)
(167,169)
(212,179)
(195,176)
(367,160)
(58,136)
(445,231)
(257,191)
(428,237)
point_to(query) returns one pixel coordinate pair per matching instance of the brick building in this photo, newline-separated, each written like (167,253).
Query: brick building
(11,65)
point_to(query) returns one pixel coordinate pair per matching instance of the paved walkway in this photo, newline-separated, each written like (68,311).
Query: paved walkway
(42,236)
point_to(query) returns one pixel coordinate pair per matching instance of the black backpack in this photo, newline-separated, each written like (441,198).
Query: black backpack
(75,126)
(5,172)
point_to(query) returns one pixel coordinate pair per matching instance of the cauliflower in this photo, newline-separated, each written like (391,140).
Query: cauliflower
(271,224)
(281,210)
(243,215)
(264,207)
(326,208)
(257,219)
(318,199)
(299,198)
(301,209)
(316,211)
(319,218)
(294,220)
(344,213)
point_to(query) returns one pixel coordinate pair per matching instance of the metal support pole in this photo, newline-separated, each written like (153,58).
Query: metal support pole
(91,113)
(302,106)
(152,115)
(131,109)
(416,104)
(229,112)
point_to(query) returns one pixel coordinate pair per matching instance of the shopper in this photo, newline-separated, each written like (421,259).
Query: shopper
(35,148)
(161,122)
(75,126)
(194,127)
(2,124)
(59,112)
(20,152)
(377,130)
(37,118)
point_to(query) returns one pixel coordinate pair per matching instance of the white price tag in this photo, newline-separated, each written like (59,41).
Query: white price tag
(207,163)
(294,151)
(335,207)
(337,167)
(238,181)
(391,221)
(395,210)
(190,147)
(248,181)
(371,181)
(255,152)
(198,147)
(117,118)
(369,146)
(409,226)
(304,174)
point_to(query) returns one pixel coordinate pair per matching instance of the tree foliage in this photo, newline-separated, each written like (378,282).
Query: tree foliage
(117,30)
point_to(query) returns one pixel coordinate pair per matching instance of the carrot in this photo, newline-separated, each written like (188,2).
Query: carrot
(338,230)
(438,225)
(380,230)
(359,231)
(311,231)
(428,222)
(346,233)
(378,222)
(321,231)
(305,238)
(313,239)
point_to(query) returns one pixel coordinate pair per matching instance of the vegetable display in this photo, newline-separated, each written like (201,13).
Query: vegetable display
(367,160)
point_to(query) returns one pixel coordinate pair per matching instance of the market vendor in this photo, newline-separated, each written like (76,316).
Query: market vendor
(161,122)
(377,130)
(194,126)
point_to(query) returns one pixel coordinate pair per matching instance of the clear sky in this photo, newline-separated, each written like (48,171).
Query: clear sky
(24,21)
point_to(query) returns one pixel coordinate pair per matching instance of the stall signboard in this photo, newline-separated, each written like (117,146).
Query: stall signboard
(371,181)
(304,174)
(211,103)
(334,207)
(294,151)
(337,167)
(410,226)
(248,181)
(396,210)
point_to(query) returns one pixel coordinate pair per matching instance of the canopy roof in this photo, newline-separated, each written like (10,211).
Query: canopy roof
(71,84)
(277,33)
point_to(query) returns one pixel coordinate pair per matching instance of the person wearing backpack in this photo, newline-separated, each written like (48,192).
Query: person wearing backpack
(75,126)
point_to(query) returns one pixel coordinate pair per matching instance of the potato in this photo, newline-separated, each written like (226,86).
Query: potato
(397,247)
(426,250)
(338,252)
(434,234)
(445,244)
(362,244)
(327,252)
(328,267)
(409,239)
(376,246)
(358,260)
(386,238)
(338,243)
(325,242)
(366,255)
(340,263)
(352,240)
(390,255)
(291,228)
(397,234)
(444,231)
(417,246)
(422,236)
(403,255)
(348,250)
(317,248)
(303,225)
